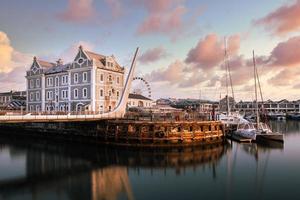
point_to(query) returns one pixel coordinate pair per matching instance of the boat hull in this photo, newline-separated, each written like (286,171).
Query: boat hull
(272,137)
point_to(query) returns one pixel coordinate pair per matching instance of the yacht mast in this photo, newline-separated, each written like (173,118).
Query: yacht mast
(227,73)
(255,86)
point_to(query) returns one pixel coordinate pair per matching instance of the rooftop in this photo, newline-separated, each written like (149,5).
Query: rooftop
(138,96)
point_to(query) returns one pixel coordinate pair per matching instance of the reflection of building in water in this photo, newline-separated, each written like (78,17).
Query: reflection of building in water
(56,171)
(110,183)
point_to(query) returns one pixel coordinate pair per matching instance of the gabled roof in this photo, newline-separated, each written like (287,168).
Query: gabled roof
(45,64)
(283,101)
(95,56)
(138,96)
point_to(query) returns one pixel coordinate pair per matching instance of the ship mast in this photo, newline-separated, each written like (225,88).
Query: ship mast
(255,86)
(226,65)
(228,76)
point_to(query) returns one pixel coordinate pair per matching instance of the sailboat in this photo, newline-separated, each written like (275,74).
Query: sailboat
(229,119)
(258,130)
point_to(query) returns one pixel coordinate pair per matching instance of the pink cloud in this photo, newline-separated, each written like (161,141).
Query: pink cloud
(286,53)
(171,74)
(209,51)
(152,55)
(283,20)
(78,11)
(163,16)
(285,77)
(164,23)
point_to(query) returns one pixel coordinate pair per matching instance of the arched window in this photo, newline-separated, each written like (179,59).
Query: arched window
(75,93)
(56,81)
(84,93)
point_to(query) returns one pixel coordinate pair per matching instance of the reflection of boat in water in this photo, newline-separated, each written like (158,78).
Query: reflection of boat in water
(99,172)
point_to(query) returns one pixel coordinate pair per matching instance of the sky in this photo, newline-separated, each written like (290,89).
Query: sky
(181,42)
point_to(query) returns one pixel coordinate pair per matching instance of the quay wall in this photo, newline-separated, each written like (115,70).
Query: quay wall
(124,132)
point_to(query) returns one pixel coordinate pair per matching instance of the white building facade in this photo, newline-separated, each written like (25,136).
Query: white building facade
(137,100)
(92,82)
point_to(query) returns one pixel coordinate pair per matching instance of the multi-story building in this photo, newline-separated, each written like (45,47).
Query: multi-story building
(92,82)
(282,106)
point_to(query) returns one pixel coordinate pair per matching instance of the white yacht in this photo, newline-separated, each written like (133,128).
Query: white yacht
(246,130)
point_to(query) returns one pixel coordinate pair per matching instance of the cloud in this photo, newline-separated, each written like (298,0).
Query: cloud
(172,74)
(192,80)
(5,53)
(286,53)
(152,55)
(283,20)
(285,77)
(12,65)
(164,17)
(13,80)
(9,57)
(209,51)
(167,22)
(69,53)
(78,11)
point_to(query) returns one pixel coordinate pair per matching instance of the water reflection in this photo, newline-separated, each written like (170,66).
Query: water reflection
(72,171)
(42,169)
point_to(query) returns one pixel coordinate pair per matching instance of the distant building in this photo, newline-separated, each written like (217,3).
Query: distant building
(137,100)
(223,104)
(13,100)
(92,82)
(282,106)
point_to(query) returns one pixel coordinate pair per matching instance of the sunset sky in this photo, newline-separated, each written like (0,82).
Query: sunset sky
(181,41)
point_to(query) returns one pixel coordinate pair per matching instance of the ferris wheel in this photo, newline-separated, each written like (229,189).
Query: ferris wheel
(140,86)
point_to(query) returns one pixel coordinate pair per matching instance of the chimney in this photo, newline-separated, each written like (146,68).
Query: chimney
(59,62)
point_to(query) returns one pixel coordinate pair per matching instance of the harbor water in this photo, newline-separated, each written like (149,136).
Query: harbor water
(42,169)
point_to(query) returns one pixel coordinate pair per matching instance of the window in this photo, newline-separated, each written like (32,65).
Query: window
(31,84)
(31,96)
(37,82)
(118,94)
(84,76)
(64,94)
(101,77)
(76,78)
(84,93)
(49,95)
(56,81)
(62,108)
(101,93)
(31,108)
(37,108)
(109,93)
(75,93)
(118,80)
(49,81)
(64,79)
(37,96)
